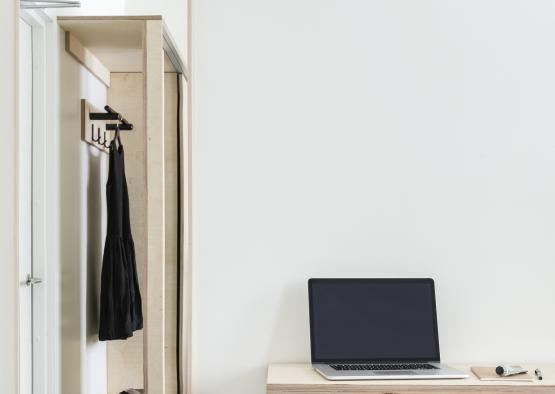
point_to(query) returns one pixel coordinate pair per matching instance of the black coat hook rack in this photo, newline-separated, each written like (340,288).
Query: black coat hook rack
(99,128)
(111,114)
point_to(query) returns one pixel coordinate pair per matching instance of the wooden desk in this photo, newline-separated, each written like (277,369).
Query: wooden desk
(301,378)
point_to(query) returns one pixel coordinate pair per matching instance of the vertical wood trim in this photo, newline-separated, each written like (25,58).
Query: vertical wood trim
(153,303)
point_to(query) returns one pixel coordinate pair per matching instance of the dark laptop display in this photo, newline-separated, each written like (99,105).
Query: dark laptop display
(373,320)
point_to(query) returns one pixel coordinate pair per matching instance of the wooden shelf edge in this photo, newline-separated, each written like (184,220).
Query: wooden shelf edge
(110,17)
(87,58)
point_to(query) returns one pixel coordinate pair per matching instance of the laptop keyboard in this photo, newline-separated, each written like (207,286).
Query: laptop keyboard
(380,367)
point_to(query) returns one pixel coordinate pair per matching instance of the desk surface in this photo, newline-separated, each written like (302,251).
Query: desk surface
(301,378)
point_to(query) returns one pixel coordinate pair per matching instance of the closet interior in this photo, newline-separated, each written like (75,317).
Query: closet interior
(147,86)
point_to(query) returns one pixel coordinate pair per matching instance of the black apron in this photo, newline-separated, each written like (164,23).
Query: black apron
(120,298)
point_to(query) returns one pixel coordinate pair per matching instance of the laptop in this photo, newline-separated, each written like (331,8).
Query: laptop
(375,329)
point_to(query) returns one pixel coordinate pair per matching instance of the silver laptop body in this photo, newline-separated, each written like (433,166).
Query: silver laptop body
(363,329)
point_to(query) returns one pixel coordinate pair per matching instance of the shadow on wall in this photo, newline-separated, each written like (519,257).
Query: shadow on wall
(249,381)
(82,230)
(290,331)
(70,227)
(291,326)
(95,241)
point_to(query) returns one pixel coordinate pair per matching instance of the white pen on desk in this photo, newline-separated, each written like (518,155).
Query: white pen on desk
(538,374)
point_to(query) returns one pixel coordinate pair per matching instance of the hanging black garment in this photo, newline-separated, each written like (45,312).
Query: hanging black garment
(120,298)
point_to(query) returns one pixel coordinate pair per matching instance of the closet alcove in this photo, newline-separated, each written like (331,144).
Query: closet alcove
(147,81)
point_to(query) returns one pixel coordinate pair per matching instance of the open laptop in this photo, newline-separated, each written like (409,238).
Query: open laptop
(375,329)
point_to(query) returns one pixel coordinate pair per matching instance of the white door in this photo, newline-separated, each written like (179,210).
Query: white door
(31,295)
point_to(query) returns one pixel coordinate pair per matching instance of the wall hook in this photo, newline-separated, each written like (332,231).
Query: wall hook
(105,140)
(98,136)
(95,119)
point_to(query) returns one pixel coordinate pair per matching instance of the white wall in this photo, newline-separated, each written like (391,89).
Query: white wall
(77,217)
(82,208)
(9,273)
(80,224)
(371,139)
(92,7)
(75,212)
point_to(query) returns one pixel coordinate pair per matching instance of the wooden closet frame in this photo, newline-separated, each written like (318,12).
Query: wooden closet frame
(156,43)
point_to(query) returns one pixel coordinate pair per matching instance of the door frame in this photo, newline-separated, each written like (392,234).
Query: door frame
(44,332)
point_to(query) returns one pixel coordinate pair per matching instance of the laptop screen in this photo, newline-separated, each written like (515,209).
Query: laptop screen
(370,320)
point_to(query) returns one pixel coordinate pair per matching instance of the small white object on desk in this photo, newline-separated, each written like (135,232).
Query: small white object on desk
(492,373)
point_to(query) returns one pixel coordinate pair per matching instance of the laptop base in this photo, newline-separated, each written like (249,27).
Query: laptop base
(442,372)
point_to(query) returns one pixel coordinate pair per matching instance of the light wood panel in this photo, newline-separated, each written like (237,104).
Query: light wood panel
(301,378)
(109,18)
(117,42)
(87,58)
(125,358)
(154,344)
